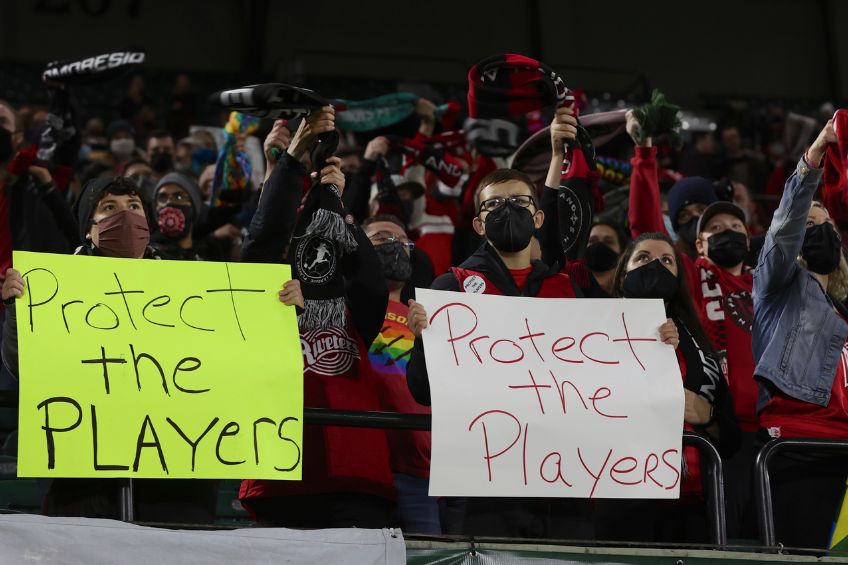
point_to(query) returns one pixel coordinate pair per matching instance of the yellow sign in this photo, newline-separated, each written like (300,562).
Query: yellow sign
(168,369)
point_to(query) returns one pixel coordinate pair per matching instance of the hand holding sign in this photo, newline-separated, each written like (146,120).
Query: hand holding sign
(417,318)
(291,295)
(13,286)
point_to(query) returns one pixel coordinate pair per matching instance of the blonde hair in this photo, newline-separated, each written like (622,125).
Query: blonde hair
(837,281)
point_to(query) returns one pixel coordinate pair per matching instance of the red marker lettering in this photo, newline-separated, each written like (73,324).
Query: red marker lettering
(648,471)
(506,361)
(671,466)
(590,358)
(615,469)
(555,349)
(558,476)
(597,396)
(597,476)
(488,457)
(630,341)
(536,387)
(530,335)
(452,339)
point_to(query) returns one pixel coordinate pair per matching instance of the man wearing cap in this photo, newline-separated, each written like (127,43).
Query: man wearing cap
(720,284)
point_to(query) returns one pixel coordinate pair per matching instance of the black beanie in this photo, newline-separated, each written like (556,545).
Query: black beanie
(89,198)
(186,184)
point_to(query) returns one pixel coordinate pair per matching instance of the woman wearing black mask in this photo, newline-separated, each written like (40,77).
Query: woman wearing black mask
(595,273)
(650,268)
(717,236)
(801,352)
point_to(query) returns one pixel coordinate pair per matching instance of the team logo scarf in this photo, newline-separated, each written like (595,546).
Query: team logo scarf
(509,88)
(323,237)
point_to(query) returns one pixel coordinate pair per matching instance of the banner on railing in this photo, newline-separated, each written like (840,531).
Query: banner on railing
(169,369)
(537,397)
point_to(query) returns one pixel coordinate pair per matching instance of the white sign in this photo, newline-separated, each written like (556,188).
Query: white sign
(544,397)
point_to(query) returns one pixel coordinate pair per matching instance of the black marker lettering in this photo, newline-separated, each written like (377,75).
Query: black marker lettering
(49,430)
(97,465)
(193,444)
(105,362)
(141,444)
(156,303)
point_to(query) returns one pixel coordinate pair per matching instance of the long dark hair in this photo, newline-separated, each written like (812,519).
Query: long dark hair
(680,306)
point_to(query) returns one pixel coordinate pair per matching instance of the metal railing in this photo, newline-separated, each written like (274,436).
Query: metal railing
(712,470)
(765,507)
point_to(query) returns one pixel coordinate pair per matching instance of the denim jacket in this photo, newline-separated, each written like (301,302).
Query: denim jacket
(797,335)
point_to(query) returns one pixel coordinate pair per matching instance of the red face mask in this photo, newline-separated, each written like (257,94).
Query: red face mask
(125,234)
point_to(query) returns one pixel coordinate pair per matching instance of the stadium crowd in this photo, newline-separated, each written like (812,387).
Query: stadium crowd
(519,190)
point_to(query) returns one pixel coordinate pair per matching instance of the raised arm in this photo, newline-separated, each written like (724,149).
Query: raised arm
(785,236)
(567,196)
(645,210)
(273,223)
(358,191)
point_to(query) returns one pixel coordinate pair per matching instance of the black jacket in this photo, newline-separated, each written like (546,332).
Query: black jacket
(270,232)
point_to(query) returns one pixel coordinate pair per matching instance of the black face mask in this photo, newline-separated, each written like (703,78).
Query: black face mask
(728,248)
(688,232)
(161,161)
(600,258)
(510,227)
(175,222)
(6,148)
(822,249)
(395,261)
(650,281)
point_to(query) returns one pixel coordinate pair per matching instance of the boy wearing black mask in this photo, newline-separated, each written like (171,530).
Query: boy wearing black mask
(508,215)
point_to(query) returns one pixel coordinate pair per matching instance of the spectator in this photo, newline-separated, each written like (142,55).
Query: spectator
(508,216)
(113,223)
(121,141)
(701,160)
(183,111)
(388,357)
(801,352)
(137,107)
(651,268)
(160,153)
(347,480)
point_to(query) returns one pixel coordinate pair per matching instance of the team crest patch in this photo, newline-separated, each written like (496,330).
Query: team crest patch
(316,259)
(474,284)
(739,306)
(328,351)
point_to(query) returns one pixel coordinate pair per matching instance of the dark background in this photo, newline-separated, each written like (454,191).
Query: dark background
(794,51)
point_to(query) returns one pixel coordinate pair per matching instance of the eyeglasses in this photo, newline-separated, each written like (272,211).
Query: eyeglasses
(167,198)
(380,239)
(492,204)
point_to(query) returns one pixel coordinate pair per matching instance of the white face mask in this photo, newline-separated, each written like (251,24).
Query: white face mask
(122,148)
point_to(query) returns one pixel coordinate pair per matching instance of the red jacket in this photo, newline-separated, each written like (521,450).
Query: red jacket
(335,459)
